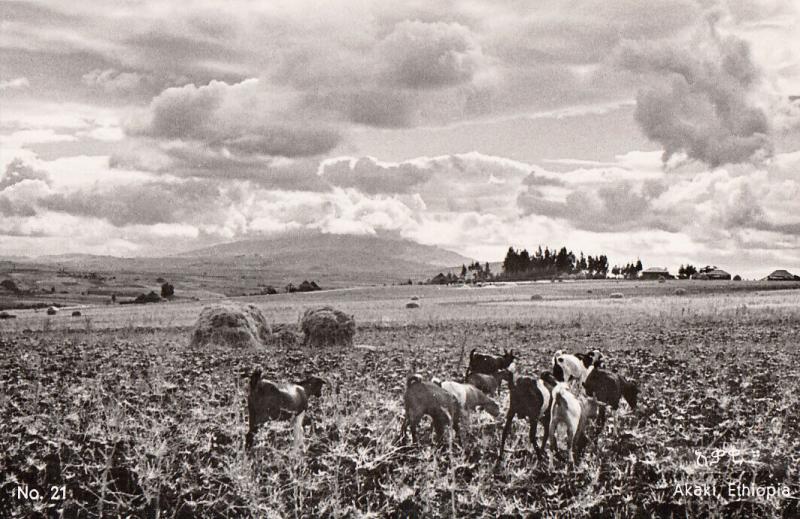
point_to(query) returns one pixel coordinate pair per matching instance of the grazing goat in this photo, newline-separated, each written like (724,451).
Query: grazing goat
(530,399)
(568,409)
(427,398)
(470,397)
(490,384)
(269,400)
(609,388)
(488,364)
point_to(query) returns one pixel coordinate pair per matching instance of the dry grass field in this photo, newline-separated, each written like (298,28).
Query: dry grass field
(114,408)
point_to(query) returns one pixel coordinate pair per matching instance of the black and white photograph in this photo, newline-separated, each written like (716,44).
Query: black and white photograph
(412,259)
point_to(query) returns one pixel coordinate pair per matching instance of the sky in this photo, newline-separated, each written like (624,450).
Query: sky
(667,130)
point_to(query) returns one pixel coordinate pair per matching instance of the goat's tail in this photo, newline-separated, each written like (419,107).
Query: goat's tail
(255,376)
(469,365)
(548,379)
(630,391)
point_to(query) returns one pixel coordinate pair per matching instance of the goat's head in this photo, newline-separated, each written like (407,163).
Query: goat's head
(492,407)
(508,358)
(313,386)
(507,375)
(590,407)
(413,379)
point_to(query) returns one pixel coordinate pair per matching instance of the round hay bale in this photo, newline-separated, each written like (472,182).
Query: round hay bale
(76,313)
(230,324)
(415,298)
(680,291)
(52,310)
(412,304)
(327,326)
(589,291)
(662,279)
(616,295)
(537,297)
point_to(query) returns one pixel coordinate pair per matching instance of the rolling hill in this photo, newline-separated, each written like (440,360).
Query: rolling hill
(331,260)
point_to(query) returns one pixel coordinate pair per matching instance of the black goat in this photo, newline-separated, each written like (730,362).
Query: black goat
(530,399)
(609,388)
(489,364)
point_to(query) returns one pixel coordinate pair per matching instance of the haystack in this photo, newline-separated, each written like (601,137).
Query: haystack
(52,310)
(680,291)
(537,297)
(412,304)
(231,324)
(616,295)
(327,326)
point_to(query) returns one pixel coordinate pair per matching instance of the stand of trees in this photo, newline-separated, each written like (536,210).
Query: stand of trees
(477,272)
(544,263)
(629,270)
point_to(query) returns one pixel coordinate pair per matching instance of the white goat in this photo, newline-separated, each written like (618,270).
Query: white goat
(575,413)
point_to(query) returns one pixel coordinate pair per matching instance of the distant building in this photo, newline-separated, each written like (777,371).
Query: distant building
(781,275)
(656,273)
(715,274)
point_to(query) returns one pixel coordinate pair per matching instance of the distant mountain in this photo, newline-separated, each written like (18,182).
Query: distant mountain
(341,246)
(330,259)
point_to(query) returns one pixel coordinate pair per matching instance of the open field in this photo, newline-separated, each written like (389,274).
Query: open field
(114,407)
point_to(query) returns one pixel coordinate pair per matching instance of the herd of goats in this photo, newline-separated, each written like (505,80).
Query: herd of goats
(548,398)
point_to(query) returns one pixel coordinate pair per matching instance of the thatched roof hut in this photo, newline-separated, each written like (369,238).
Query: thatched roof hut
(781,275)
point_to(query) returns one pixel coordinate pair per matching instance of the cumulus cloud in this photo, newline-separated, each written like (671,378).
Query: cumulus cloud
(418,54)
(114,81)
(238,119)
(17,171)
(372,177)
(21,186)
(703,101)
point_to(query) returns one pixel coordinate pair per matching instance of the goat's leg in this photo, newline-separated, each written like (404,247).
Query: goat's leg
(506,430)
(546,429)
(299,440)
(413,422)
(534,424)
(552,434)
(601,418)
(458,427)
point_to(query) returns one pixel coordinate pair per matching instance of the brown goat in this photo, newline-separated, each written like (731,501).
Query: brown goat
(426,398)
(490,384)
(269,400)
(530,399)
